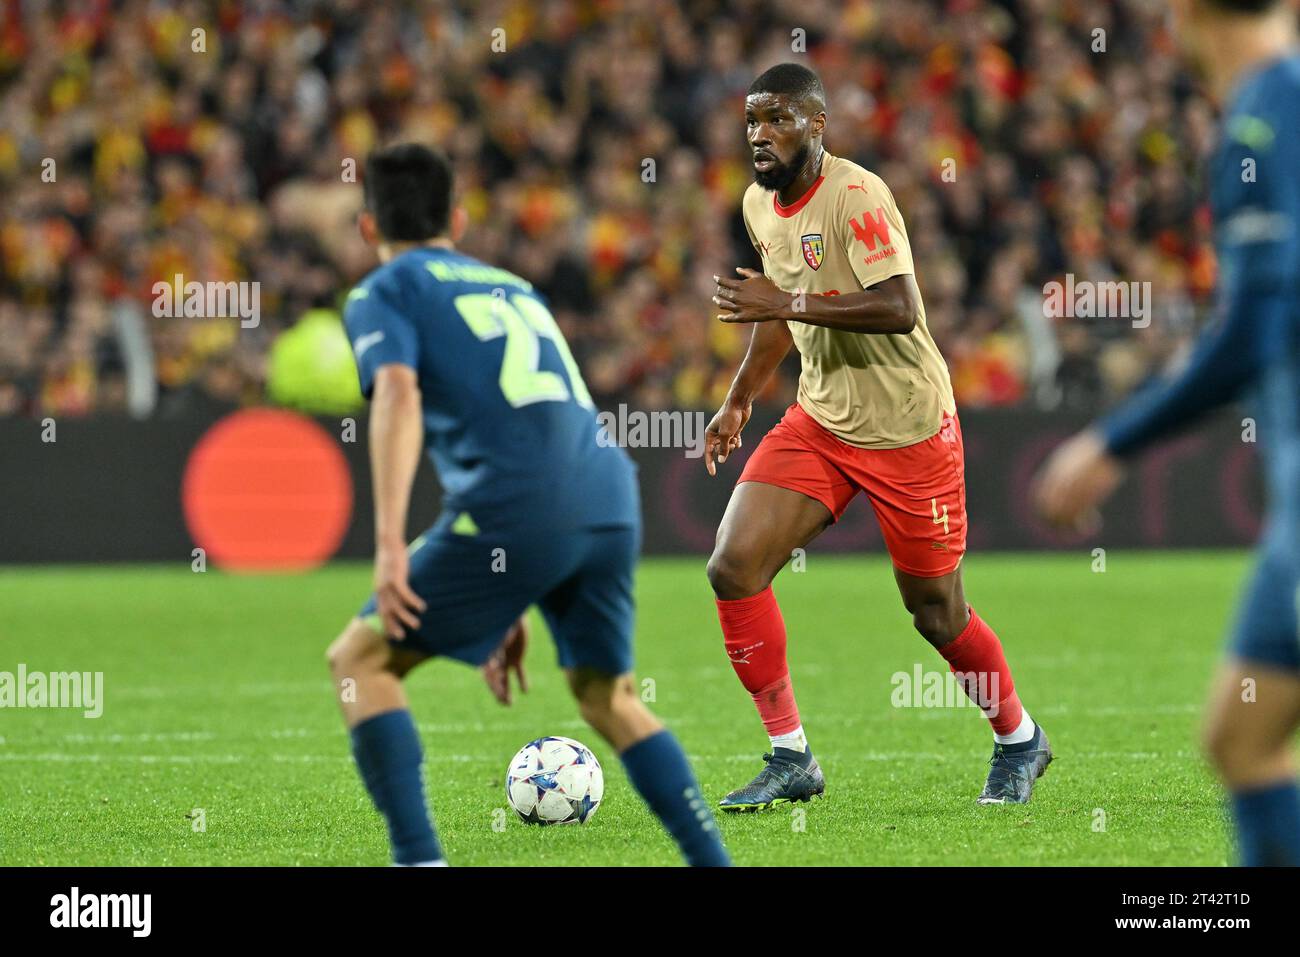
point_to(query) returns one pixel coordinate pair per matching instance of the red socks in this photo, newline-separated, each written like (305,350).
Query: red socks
(975,657)
(755,637)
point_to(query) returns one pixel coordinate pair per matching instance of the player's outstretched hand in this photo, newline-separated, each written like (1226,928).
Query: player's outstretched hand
(1076,479)
(507,658)
(723,434)
(752,299)
(398,605)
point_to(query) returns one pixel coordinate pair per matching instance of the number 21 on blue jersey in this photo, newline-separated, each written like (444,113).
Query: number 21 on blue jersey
(524,322)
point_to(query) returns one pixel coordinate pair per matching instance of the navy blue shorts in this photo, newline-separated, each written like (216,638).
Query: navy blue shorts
(477,583)
(1268,621)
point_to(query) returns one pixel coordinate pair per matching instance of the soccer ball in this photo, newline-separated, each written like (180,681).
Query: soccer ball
(554,780)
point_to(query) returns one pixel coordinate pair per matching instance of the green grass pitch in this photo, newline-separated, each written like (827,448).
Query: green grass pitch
(217,698)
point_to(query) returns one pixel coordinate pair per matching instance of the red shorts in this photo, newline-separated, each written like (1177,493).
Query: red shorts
(918,492)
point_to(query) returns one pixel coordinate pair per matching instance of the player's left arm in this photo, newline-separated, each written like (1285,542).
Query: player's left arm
(890,306)
(506,660)
(866,226)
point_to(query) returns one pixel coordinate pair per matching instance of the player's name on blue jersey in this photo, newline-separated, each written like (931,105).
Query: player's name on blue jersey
(474,272)
(478,273)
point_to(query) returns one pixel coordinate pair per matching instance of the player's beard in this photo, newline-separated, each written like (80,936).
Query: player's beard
(781,174)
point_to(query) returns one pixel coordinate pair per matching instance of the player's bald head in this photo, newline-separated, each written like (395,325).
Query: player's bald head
(795,81)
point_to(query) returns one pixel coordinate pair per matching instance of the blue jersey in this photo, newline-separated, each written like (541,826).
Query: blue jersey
(508,422)
(1253,349)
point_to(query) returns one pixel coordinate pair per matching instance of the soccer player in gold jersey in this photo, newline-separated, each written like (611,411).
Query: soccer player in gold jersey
(874,414)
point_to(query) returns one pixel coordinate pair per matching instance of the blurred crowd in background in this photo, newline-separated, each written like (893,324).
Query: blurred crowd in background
(140,140)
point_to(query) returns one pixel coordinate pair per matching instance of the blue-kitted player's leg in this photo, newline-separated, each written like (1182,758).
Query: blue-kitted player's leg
(473,596)
(368,672)
(591,617)
(1255,711)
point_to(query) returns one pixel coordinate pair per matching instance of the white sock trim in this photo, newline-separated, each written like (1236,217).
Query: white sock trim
(1024,731)
(792,741)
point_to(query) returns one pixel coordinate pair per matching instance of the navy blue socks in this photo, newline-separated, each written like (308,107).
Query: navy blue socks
(387,751)
(1268,825)
(388,755)
(658,769)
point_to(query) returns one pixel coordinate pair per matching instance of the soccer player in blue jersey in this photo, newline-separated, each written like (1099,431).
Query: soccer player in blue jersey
(464,359)
(1248,51)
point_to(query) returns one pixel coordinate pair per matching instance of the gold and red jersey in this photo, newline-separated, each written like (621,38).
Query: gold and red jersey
(878,391)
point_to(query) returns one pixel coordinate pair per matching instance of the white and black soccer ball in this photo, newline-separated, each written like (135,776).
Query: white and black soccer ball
(554,780)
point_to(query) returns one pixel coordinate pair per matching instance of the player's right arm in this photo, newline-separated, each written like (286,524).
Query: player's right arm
(768,345)
(1087,468)
(396,441)
(1259,246)
(386,345)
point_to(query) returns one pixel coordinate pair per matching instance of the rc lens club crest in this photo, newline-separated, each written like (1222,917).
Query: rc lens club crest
(813,249)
